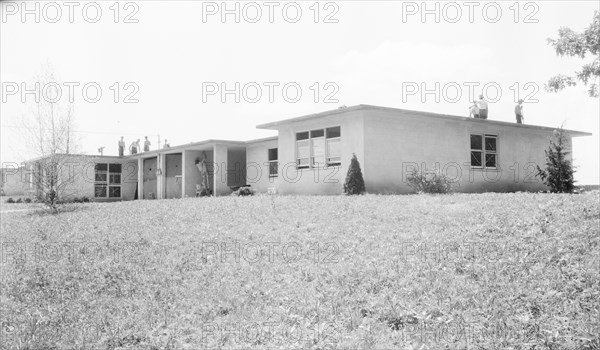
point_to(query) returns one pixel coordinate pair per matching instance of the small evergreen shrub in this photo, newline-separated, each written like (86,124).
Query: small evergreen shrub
(27,200)
(354,184)
(10,200)
(558,172)
(244,191)
(433,181)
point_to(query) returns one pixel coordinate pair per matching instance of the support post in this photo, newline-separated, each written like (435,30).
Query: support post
(140,178)
(183,171)
(220,187)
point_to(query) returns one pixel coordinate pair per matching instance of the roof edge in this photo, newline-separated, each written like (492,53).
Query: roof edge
(273,125)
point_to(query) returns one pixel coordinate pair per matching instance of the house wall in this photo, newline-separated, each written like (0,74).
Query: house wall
(257,170)
(81,182)
(13,181)
(396,143)
(129,178)
(326,181)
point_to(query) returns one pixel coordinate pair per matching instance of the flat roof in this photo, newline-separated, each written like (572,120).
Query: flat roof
(342,110)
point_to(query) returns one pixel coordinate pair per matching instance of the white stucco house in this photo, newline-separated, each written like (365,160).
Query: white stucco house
(310,155)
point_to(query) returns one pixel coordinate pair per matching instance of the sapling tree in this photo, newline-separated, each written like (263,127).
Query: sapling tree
(49,137)
(354,184)
(558,171)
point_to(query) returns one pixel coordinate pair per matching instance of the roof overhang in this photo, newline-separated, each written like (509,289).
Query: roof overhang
(277,124)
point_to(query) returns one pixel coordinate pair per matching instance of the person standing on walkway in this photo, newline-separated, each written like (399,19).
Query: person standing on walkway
(121,147)
(519,112)
(146,144)
(483,107)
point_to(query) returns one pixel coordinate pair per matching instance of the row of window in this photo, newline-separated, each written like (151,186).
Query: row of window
(484,151)
(313,148)
(320,147)
(107,178)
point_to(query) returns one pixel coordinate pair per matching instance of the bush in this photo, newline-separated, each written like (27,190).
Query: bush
(27,200)
(205,192)
(83,199)
(430,181)
(558,174)
(10,200)
(354,184)
(20,200)
(244,191)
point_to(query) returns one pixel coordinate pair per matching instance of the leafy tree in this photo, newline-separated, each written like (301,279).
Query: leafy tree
(355,184)
(558,174)
(578,44)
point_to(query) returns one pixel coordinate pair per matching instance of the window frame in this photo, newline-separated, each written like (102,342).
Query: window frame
(326,141)
(273,162)
(484,152)
(107,183)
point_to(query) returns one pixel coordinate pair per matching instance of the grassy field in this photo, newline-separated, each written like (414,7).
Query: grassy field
(480,271)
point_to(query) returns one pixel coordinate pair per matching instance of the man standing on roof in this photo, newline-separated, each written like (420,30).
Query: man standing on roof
(133,148)
(474,110)
(483,107)
(146,144)
(166,145)
(121,147)
(519,112)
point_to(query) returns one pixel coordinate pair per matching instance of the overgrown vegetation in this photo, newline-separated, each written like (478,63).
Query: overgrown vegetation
(432,181)
(354,184)
(558,171)
(462,271)
(244,191)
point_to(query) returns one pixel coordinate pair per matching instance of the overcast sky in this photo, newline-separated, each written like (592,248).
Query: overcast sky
(174,53)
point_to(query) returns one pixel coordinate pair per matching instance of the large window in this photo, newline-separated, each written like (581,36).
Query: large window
(320,147)
(107,180)
(484,151)
(273,166)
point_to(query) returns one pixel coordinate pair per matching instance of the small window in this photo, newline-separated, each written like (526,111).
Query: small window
(100,191)
(317,133)
(333,132)
(114,168)
(490,160)
(483,151)
(476,142)
(490,143)
(273,154)
(273,163)
(302,136)
(475,159)
(115,179)
(114,192)
(490,151)
(101,167)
